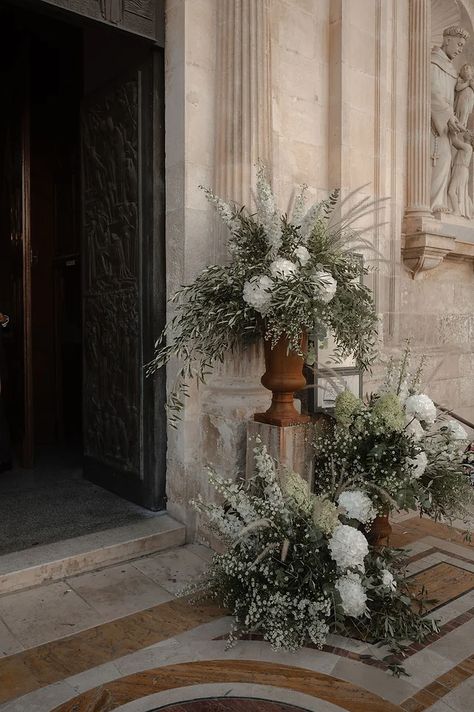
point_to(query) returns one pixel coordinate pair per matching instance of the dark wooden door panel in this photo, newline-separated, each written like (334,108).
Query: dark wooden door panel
(118,135)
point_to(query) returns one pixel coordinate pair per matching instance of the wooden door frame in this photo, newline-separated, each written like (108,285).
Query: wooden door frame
(28,437)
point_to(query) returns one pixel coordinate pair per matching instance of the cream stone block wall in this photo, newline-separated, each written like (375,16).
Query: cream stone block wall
(339,73)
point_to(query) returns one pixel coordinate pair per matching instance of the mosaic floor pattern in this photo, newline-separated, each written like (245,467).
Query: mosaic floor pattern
(172,656)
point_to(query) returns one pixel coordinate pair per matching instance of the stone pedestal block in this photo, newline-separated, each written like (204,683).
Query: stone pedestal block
(288,445)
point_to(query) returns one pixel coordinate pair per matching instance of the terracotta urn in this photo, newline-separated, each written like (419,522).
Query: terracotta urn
(380,530)
(283,377)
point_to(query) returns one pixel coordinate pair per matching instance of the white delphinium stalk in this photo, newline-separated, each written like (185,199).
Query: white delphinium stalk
(348,547)
(422,407)
(387,580)
(414,428)
(357,505)
(283,269)
(299,207)
(353,595)
(418,464)
(267,213)
(224,210)
(308,221)
(257,293)
(302,255)
(324,284)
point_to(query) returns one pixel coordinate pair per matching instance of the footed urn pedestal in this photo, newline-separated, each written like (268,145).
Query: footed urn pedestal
(380,530)
(283,377)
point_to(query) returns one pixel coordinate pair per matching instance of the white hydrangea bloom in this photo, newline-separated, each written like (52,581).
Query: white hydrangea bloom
(257,293)
(357,505)
(422,407)
(302,255)
(353,595)
(283,269)
(414,428)
(348,547)
(388,581)
(418,464)
(324,284)
(455,430)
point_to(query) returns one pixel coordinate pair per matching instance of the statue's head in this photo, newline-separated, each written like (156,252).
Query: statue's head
(454,39)
(466,72)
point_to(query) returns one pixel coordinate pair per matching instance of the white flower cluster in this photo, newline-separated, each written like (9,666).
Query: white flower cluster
(357,505)
(387,580)
(257,293)
(302,255)
(414,428)
(325,514)
(348,547)
(353,595)
(283,269)
(455,430)
(421,406)
(267,213)
(418,464)
(324,284)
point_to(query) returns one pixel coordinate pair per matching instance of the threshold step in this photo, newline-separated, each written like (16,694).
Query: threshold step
(50,562)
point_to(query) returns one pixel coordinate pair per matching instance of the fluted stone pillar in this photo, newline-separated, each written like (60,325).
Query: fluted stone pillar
(419,109)
(243,107)
(243,137)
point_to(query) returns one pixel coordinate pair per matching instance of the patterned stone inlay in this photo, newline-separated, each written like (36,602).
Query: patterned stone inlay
(223,704)
(443,582)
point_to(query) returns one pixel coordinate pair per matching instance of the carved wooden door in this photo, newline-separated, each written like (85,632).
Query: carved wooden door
(122,185)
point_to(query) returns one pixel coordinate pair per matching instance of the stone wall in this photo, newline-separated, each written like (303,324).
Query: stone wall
(338,116)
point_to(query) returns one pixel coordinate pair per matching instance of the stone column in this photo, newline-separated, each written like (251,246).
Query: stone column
(419,110)
(243,108)
(243,136)
(424,247)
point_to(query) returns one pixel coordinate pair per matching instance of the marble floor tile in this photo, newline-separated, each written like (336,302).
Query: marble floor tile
(462,698)
(173,569)
(204,552)
(457,645)
(46,613)
(381,683)
(118,590)
(8,643)
(45,699)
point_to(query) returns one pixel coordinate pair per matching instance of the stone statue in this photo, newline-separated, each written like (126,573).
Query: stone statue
(458,191)
(444,122)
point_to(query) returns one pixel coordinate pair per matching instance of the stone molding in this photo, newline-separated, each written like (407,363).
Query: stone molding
(429,241)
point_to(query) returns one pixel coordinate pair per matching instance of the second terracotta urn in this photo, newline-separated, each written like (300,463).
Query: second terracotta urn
(283,377)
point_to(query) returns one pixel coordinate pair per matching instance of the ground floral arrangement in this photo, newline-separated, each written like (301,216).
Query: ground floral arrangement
(398,449)
(298,564)
(285,275)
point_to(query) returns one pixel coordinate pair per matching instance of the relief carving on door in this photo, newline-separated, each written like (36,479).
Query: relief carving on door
(112,353)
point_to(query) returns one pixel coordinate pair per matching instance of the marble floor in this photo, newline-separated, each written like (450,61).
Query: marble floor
(120,639)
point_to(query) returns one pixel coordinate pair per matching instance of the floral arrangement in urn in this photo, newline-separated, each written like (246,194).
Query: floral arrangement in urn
(398,449)
(298,566)
(286,276)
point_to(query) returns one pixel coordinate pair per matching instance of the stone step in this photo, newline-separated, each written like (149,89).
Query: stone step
(50,562)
